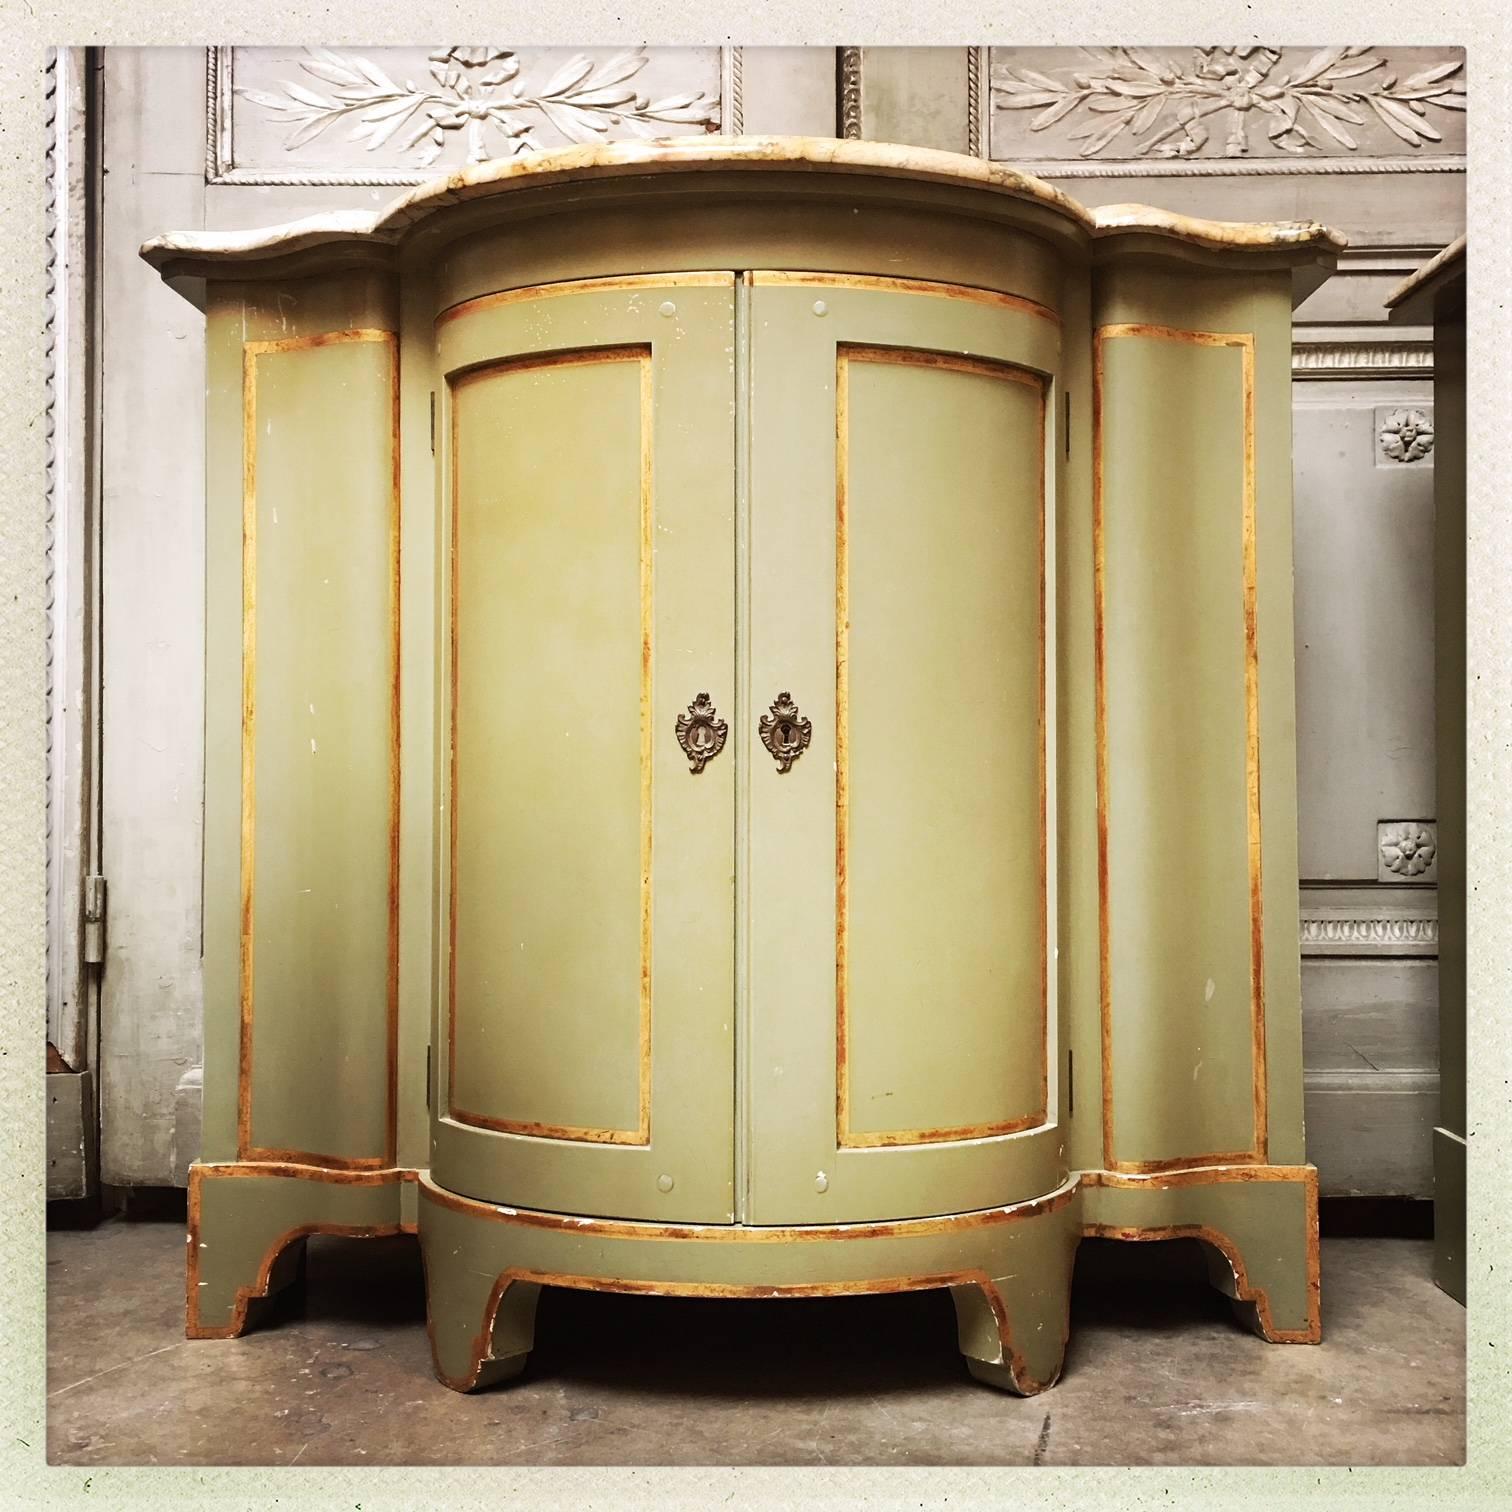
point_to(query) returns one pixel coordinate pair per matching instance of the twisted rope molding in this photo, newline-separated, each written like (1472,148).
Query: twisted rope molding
(1228,168)
(850,94)
(976,143)
(732,91)
(53,221)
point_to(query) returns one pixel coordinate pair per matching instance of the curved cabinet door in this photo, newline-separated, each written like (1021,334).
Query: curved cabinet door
(902,1048)
(586,987)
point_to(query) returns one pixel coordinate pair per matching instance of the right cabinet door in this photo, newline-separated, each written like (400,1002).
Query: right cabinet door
(902,1050)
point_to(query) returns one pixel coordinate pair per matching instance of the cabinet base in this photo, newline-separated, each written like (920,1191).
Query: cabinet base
(1008,1269)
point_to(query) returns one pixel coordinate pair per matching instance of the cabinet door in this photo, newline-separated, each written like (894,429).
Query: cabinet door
(902,1043)
(586,988)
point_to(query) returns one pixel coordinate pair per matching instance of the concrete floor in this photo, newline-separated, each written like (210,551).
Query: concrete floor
(1157,1372)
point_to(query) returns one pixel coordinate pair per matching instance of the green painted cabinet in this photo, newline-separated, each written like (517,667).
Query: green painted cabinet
(902,446)
(750,741)
(586,442)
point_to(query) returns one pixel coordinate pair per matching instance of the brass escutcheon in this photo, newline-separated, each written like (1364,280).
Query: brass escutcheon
(785,732)
(701,733)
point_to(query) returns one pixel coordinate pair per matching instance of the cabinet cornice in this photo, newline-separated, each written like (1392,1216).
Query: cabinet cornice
(912,173)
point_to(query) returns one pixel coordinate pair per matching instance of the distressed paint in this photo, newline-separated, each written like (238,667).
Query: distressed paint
(537,1120)
(747,396)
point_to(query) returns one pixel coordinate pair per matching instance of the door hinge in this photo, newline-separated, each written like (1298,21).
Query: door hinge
(1066,422)
(433,421)
(93,903)
(429,1098)
(1070,1084)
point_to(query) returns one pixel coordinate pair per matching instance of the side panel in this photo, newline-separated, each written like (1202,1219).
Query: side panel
(1195,726)
(586,995)
(302,726)
(901,1003)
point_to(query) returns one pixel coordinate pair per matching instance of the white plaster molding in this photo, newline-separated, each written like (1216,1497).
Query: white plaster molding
(671,115)
(1362,359)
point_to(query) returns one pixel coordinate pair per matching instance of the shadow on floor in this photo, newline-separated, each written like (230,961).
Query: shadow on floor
(788,1349)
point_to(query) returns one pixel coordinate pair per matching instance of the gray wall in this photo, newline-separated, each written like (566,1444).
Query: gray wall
(218,140)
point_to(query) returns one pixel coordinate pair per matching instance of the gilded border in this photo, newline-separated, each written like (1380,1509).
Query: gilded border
(1246,1290)
(847,352)
(641,353)
(1244,343)
(246,1150)
(596,1228)
(609,284)
(617,1228)
(887,283)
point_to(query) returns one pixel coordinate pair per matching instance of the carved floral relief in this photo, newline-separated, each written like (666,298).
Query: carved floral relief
(1224,102)
(1406,435)
(391,114)
(1408,850)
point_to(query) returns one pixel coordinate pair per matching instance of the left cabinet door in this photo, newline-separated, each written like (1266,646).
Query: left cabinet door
(585,439)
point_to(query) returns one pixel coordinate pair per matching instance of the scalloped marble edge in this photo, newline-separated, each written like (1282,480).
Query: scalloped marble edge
(388,225)
(1420,279)
(1257,236)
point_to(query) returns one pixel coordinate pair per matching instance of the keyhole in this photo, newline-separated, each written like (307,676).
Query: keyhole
(785,733)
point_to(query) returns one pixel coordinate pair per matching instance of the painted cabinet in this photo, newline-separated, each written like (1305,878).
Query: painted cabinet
(751,741)
(587,442)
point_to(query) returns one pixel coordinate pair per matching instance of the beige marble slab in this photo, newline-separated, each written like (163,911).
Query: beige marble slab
(388,226)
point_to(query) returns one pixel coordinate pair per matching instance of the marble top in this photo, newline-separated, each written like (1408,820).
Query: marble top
(684,155)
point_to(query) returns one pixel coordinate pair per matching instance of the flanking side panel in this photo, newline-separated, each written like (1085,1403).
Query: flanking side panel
(1196,775)
(302,726)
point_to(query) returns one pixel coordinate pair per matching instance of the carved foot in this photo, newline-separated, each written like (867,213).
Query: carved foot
(1013,1325)
(247,1227)
(481,1321)
(1258,1226)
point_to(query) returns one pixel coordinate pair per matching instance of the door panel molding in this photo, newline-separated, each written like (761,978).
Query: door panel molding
(845,1135)
(639,354)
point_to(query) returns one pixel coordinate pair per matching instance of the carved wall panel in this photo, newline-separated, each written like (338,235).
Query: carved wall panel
(399,115)
(1225,109)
